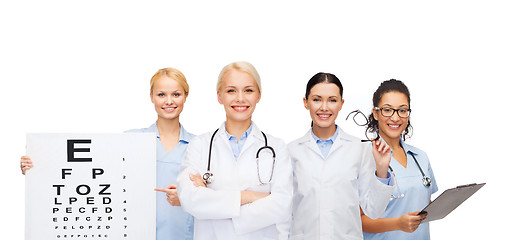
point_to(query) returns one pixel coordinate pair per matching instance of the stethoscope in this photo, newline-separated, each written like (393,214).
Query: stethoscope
(208,176)
(426,181)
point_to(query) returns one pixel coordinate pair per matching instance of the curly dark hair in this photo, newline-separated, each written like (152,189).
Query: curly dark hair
(391,85)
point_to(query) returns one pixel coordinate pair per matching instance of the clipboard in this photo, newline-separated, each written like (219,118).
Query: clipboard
(449,200)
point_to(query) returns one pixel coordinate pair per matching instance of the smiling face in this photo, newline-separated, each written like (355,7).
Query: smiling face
(168,97)
(324,102)
(390,128)
(239,93)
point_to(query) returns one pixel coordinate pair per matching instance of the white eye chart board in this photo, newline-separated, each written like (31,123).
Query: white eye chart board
(91,186)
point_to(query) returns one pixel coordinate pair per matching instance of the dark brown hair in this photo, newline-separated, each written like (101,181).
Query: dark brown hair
(323,78)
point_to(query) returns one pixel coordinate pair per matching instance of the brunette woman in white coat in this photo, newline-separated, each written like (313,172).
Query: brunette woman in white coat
(230,193)
(334,173)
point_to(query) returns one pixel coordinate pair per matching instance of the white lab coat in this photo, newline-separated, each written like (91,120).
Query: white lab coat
(217,211)
(328,191)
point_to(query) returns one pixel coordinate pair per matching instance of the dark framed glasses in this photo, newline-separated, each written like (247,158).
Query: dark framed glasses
(361,120)
(389,112)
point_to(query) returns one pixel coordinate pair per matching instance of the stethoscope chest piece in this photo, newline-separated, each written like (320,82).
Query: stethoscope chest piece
(207,177)
(426,181)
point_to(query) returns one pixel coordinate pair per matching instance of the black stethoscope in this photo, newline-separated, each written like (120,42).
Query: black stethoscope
(426,181)
(208,176)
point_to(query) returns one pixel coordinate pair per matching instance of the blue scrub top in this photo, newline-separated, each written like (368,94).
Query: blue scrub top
(417,196)
(172,222)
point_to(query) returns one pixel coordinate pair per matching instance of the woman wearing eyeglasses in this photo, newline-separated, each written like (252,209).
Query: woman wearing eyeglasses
(334,172)
(409,165)
(237,181)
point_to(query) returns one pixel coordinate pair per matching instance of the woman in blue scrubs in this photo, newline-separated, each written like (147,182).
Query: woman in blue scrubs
(409,165)
(168,92)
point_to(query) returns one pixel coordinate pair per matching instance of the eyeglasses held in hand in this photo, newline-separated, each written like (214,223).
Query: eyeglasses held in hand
(362,120)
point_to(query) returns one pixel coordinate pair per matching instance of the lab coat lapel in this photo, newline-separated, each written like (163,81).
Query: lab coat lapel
(308,141)
(222,136)
(338,143)
(255,136)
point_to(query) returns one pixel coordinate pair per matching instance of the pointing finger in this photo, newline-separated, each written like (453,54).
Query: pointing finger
(165,190)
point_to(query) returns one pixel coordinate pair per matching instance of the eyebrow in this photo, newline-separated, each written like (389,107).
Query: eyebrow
(169,92)
(389,105)
(249,86)
(315,95)
(177,90)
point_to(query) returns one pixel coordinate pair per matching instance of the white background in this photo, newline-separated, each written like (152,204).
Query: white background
(84,67)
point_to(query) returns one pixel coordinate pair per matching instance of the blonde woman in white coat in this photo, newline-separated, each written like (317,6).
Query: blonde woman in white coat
(334,173)
(247,199)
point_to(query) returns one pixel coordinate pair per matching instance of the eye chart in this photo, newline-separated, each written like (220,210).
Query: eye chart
(91,186)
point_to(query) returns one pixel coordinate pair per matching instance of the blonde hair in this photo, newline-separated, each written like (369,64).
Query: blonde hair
(172,73)
(243,67)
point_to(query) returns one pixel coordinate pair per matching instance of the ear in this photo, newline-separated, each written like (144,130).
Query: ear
(151,98)
(375,113)
(185,98)
(259,99)
(219,98)
(305,102)
(341,105)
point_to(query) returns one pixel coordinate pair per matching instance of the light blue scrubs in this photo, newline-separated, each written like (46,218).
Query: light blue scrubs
(172,222)
(416,195)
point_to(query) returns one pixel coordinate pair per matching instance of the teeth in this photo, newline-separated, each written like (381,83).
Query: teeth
(240,108)
(393,126)
(324,116)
